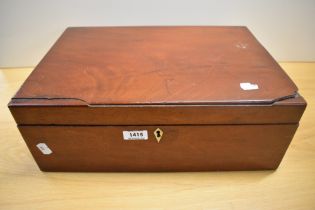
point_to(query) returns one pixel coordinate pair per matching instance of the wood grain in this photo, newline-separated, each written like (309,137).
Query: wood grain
(157,65)
(292,186)
(184,148)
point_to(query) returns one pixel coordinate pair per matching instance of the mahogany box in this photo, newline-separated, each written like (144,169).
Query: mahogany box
(157,99)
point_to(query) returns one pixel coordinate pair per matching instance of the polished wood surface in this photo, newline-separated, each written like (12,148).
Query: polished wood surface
(291,186)
(157,65)
(62,112)
(163,73)
(183,148)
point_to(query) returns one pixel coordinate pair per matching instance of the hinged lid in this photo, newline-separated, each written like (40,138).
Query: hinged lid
(158,65)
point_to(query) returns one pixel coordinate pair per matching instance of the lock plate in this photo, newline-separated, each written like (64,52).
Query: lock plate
(158,133)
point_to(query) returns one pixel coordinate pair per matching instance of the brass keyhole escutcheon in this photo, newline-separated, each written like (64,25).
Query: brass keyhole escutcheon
(158,133)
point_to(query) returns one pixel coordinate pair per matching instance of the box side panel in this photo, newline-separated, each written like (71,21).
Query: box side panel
(182,148)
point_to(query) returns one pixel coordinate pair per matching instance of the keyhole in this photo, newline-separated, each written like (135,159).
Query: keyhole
(158,133)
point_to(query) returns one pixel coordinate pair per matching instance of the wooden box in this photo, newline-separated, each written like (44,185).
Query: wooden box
(157,99)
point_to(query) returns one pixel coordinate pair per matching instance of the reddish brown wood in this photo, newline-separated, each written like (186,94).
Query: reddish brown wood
(39,112)
(182,148)
(158,65)
(96,82)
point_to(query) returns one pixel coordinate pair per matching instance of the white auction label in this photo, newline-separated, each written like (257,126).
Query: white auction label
(135,135)
(248,86)
(44,148)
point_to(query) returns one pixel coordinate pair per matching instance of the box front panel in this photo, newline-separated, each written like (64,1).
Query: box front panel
(158,148)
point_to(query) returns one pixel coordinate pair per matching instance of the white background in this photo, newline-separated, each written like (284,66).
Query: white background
(28,28)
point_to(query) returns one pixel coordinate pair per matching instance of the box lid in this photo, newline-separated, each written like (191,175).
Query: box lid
(158,65)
